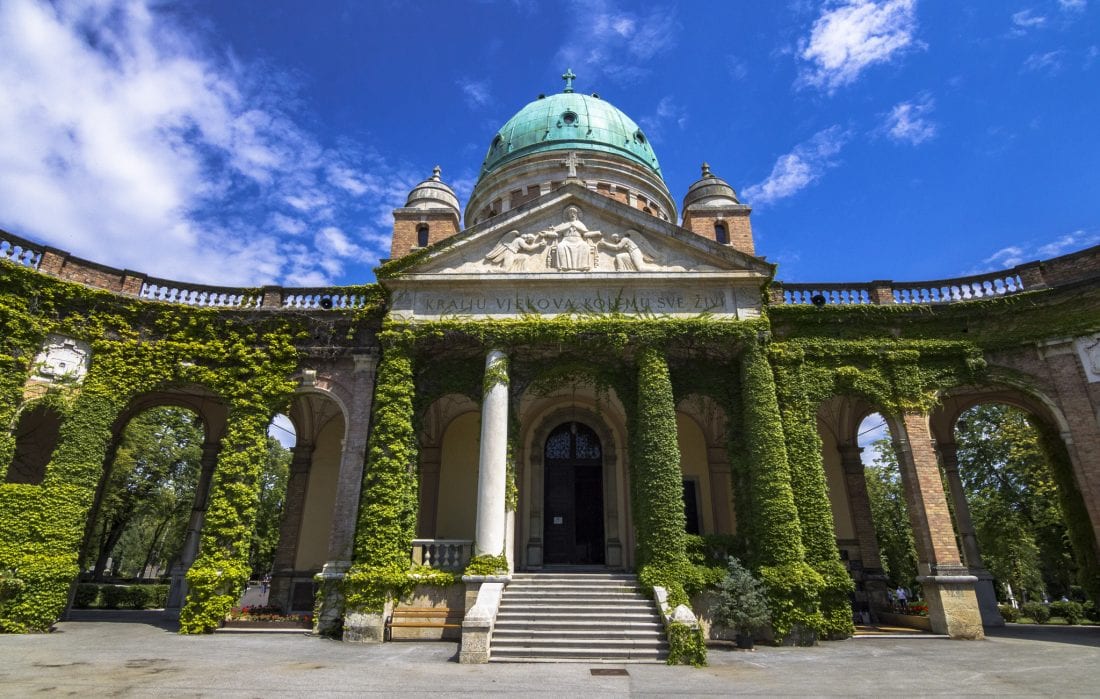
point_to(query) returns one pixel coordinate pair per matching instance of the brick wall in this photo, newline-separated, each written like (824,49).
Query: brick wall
(737,225)
(406,222)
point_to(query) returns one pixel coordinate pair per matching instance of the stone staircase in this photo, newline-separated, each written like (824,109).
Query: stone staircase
(577,617)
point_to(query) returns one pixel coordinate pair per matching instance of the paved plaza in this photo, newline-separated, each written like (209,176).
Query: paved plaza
(138,654)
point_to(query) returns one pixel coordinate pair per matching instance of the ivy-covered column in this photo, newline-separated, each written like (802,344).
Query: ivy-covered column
(218,576)
(657,488)
(294,505)
(815,512)
(777,551)
(388,501)
(177,591)
(42,526)
(492,468)
(972,556)
(947,583)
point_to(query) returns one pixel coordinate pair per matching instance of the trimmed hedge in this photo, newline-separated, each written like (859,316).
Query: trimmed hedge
(107,596)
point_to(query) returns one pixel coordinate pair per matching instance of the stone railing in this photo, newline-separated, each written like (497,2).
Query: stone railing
(886,292)
(323,298)
(169,291)
(443,554)
(19,251)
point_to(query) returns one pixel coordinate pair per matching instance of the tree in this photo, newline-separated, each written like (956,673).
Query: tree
(149,492)
(269,513)
(890,514)
(1014,501)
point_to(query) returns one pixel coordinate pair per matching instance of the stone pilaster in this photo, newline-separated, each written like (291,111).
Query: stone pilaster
(177,590)
(492,470)
(345,510)
(948,584)
(286,552)
(972,557)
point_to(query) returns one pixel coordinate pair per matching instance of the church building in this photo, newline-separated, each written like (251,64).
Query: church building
(560,403)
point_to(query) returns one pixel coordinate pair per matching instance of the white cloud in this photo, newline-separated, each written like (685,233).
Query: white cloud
(853,35)
(1073,5)
(800,168)
(1049,62)
(475,92)
(1024,19)
(908,122)
(140,147)
(737,67)
(667,113)
(1019,253)
(605,41)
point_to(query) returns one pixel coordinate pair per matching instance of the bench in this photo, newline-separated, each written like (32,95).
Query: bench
(423,618)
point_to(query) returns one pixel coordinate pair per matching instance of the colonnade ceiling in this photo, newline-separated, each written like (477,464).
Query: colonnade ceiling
(310,412)
(440,413)
(841,416)
(708,415)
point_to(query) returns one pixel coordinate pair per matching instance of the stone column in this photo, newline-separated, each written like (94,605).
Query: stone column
(345,509)
(286,553)
(948,584)
(492,468)
(859,504)
(177,590)
(972,557)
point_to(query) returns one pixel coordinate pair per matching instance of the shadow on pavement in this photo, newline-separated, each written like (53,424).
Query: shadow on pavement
(1077,635)
(149,617)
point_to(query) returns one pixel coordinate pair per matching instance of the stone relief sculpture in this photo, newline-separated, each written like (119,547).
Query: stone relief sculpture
(576,250)
(631,252)
(570,246)
(62,358)
(1088,348)
(514,251)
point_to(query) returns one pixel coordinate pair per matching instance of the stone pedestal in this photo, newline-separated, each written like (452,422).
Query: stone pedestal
(952,605)
(329,621)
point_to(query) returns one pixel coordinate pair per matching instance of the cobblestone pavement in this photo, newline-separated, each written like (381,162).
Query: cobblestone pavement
(138,654)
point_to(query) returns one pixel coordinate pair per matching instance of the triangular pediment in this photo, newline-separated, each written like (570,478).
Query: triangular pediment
(576,232)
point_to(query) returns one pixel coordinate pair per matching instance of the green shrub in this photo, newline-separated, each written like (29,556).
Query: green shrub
(87,595)
(10,585)
(1009,613)
(1037,611)
(1072,612)
(1090,611)
(742,602)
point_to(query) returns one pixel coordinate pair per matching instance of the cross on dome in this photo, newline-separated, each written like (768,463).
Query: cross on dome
(568,77)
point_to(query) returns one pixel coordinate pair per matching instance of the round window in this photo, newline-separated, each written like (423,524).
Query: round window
(639,137)
(569,118)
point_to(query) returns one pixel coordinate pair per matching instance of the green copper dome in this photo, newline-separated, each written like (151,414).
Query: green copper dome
(569,121)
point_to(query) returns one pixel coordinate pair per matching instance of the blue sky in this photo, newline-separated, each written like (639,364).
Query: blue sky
(267,142)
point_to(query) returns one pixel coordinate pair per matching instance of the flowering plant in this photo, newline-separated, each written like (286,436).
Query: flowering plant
(265,613)
(918,609)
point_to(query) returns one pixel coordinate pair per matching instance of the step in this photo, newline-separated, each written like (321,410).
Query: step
(648,635)
(569,623)
(579,653)
(611,645)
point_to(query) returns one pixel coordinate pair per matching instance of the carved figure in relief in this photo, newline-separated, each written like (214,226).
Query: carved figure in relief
(62,358)
(628,252)
(514,250)
(576,250)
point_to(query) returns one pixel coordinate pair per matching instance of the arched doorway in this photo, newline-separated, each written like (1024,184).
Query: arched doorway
(573,496)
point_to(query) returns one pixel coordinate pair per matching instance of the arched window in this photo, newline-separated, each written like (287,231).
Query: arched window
(422,236)
(720,233)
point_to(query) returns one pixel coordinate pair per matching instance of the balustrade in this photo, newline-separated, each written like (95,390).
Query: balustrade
(928,292)
(326,298)
(442,554)
(19,252)
(196,295)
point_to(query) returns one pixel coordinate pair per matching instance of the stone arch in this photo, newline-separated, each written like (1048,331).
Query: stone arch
(36,430)
(319,417)
(1081,514)
(541,417)
(706,461)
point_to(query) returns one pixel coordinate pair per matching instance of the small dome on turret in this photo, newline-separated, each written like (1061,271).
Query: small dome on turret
(432,193)
(710,190)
